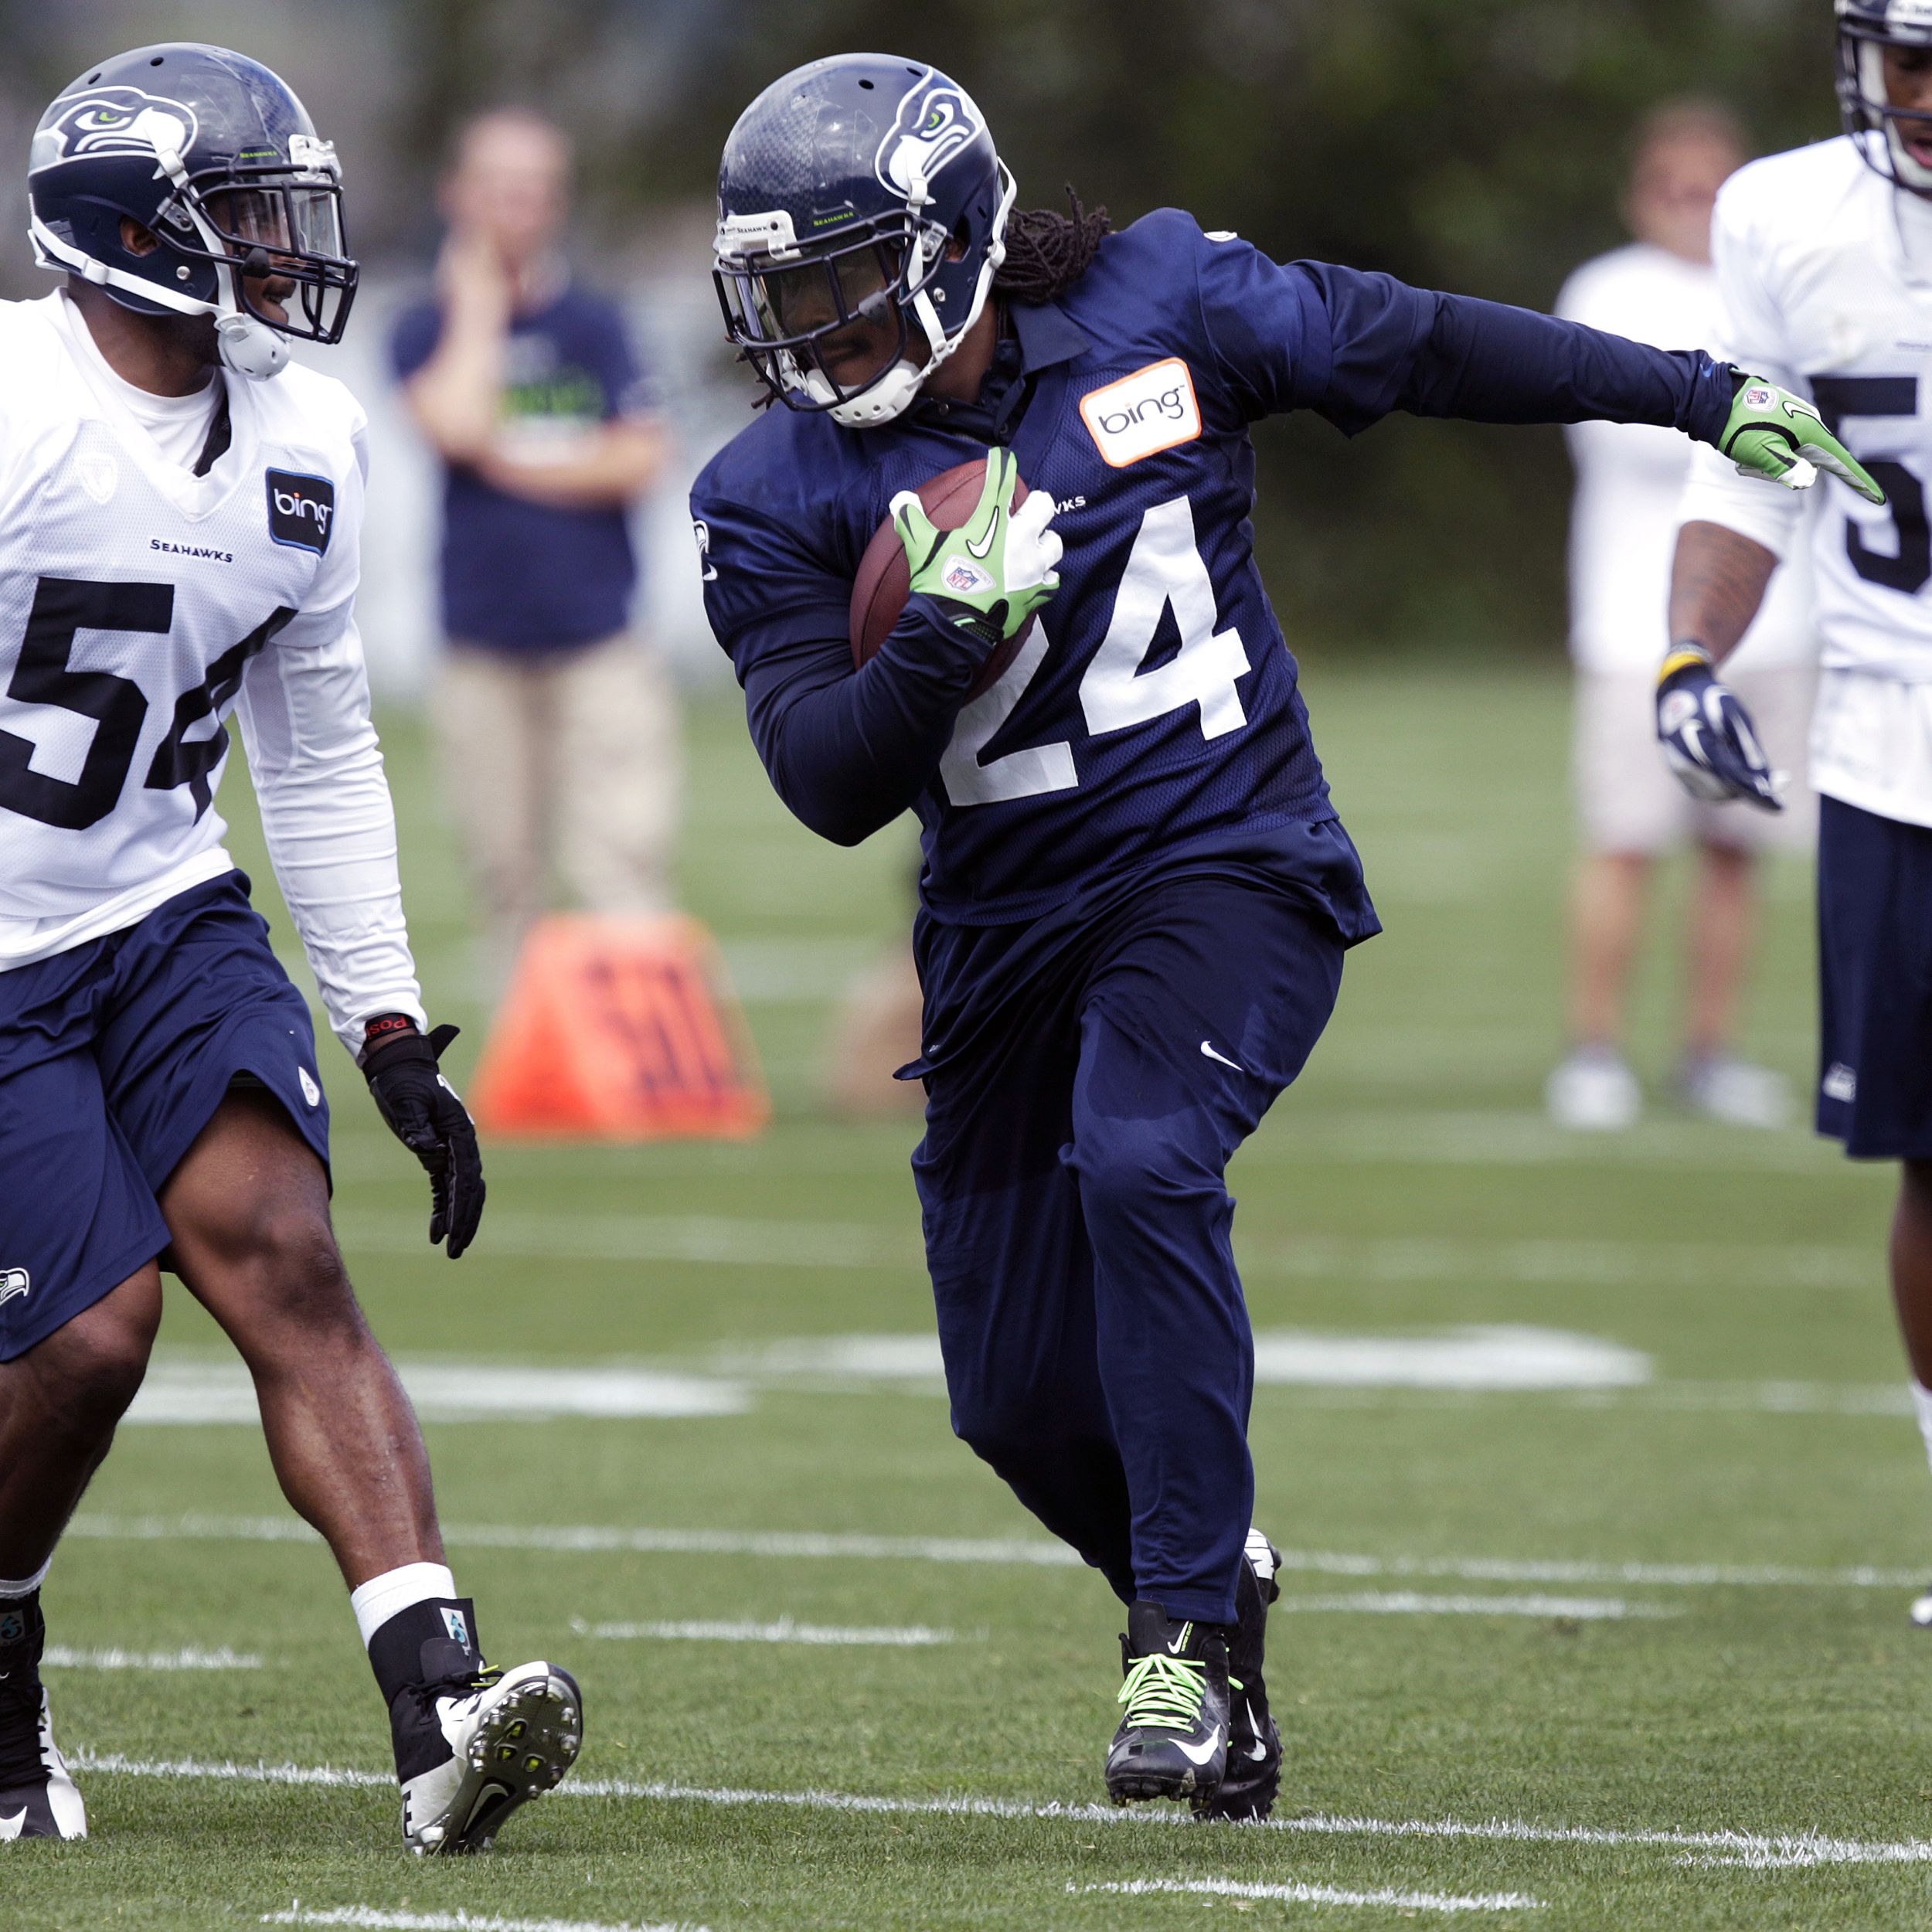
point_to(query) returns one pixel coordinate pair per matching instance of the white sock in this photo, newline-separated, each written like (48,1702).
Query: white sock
(379,1599)
(27,1585)
(1921,1408)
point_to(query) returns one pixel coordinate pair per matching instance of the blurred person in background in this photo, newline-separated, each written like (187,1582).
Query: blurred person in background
(558,726)
(1661,289)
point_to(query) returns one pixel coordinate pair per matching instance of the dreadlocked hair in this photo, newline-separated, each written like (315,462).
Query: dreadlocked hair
(1047,252)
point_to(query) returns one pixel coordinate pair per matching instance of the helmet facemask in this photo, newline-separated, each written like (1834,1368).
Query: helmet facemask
(786,303)
(269,223)
(221,228)
(1876,126)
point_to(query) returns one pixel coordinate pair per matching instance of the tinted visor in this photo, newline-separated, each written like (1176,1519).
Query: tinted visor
(299,221)
(852,286)
(836,319)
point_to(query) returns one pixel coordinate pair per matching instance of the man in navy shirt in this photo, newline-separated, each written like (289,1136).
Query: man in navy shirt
(556,726)
(1136,894)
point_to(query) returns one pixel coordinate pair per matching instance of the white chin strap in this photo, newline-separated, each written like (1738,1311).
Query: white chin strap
(894,391)
(246,345)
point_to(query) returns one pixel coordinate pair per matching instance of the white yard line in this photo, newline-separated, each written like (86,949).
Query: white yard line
(1409,1603)
(785,1631)
(591,1538)
(718,1239)
(381,1920)
(1759,1849)
(59,1657)
(1322,1894)
(187,1389)
(893,1242)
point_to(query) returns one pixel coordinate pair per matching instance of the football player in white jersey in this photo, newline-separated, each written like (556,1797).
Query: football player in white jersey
(1824,256)
(180,516)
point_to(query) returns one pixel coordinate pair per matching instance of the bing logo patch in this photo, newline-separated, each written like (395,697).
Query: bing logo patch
(1141,414)
(301,510)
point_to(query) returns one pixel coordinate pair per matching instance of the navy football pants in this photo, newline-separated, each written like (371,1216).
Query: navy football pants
(1078,1225)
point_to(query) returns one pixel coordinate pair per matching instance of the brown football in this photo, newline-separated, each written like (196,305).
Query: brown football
(884,582)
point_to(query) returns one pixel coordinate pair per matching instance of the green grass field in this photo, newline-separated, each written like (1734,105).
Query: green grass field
(1630,1652)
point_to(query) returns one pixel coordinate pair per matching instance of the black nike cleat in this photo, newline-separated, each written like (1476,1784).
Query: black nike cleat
(37,1798)
(1253,1776)
(1173,1740)
(469,1751)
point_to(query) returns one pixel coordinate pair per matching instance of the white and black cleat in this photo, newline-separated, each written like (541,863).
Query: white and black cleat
(45,1804)
(509,1739)
(1253,1780)
(37,1796)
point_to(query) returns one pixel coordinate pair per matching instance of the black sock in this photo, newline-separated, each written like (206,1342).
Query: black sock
(21,1633)
(431,1642)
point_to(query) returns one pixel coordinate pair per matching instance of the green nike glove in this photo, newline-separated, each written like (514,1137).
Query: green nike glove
(996,569)
(1771,433)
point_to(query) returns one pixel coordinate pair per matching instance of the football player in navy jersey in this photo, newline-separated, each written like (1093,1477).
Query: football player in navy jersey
(1136,894)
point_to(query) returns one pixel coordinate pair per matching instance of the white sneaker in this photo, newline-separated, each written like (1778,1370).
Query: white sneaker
(1593,1092)
(1921,1612)
(44,1802)
(510,1740)
(1738,1093)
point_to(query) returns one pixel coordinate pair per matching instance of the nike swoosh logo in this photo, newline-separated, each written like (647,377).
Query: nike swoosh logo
(1222,1058)
(1199,1753)
(1258,1749)
(13,1827)
(982,551)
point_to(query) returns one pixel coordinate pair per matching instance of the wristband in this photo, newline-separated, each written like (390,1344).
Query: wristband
(384,1030)
(1682,657)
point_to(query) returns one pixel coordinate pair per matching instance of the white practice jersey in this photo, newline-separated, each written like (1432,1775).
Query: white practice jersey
(1630,478)
(1825,269)
(140,606)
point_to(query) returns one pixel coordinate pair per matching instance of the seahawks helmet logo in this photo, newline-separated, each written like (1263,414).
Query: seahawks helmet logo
(936,121)
(113,121)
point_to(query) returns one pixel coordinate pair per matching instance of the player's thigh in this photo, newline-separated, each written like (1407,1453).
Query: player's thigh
(199,1005)
(1874,978)
(1210,1005)
(1011,1269)
(77,1217)
(247,1214)
(1626,799)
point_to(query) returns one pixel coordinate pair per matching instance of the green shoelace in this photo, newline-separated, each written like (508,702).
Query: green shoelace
(1165,1693)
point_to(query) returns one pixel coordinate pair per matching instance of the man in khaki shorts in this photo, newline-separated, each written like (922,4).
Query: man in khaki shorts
(558,728)
(1661,290)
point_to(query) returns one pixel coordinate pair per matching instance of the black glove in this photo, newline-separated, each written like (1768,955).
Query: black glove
(424,1113)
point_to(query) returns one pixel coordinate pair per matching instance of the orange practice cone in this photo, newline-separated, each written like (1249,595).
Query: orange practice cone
(620,1030)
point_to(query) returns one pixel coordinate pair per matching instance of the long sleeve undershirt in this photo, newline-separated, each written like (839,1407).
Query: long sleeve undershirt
(849,752)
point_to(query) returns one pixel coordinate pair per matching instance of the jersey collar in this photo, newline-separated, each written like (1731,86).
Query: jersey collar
(1042,335)
(1047,334)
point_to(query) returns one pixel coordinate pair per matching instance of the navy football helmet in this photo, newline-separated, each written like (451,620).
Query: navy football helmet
(1865,28)
(215,156)
(857,194)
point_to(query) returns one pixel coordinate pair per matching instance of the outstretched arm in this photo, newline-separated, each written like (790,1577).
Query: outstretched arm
(1392,347)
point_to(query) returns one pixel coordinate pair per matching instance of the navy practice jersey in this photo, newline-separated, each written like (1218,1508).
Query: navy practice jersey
(1151,721)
